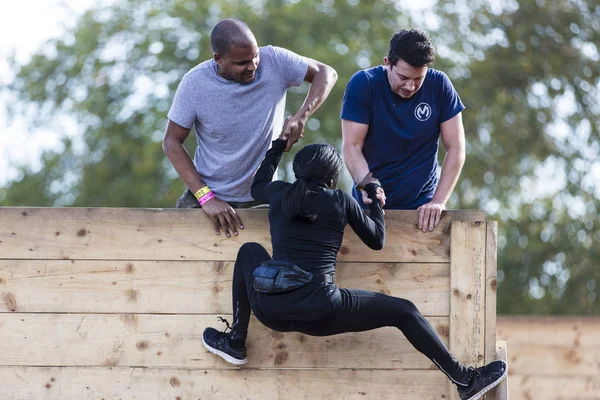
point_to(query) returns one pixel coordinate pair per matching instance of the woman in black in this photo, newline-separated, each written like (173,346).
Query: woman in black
(307,221)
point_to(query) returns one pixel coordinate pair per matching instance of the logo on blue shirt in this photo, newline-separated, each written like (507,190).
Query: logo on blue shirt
(423,112)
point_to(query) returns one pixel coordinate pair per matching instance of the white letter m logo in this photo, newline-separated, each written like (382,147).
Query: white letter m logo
(423,112)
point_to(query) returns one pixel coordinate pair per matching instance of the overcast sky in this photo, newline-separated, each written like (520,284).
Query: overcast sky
(24,26)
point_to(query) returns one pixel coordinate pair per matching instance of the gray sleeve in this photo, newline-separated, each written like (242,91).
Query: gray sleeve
(182,110)
(292,66)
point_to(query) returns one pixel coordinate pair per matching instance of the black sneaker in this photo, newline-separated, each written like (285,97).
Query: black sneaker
(483,379)
(218,343)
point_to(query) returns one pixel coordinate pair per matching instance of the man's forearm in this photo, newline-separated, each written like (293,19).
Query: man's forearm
(183,164)
(355,162)
(320,87)
(451,168)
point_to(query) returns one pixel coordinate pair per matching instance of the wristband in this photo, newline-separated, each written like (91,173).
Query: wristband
(201,192)
(206,197)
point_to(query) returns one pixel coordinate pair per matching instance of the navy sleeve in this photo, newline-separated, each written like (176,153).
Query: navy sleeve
(370,229)
(450,104)
(263,188)
(356,104)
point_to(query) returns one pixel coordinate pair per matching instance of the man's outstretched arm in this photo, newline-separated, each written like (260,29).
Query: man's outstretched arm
(322,77)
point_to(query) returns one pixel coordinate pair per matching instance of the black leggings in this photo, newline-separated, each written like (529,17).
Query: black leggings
(355,311)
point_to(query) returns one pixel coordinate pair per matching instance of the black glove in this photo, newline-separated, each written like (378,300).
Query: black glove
(371,189)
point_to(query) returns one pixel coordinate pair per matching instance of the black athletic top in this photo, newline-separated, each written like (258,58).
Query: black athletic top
(313,245)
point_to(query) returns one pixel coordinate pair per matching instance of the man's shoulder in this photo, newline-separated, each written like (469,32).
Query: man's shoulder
(205,68)
(377,72)
(437,76)
(277,56)
(270,51)
(367,79)
(373,74)
(438,83)
(266,50)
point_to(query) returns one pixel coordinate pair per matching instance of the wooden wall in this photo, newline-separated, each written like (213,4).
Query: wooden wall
(552,358)
(111,304)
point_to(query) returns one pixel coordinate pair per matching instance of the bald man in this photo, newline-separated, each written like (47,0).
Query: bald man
(236,104)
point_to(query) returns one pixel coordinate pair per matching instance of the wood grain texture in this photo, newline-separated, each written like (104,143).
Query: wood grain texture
(467,294)
(552,358)
(491,265)
(501,391)
(54,383)
(552,346)
(101,303)
(175,234)
(200,287)
(176,341)
(547,387)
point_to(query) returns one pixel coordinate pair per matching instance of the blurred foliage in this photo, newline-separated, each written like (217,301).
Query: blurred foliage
(526,70)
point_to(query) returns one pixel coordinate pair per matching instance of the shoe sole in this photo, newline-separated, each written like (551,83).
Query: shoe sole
(489,387)
(224,356)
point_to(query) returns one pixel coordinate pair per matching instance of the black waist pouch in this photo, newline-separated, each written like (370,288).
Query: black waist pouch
(279,277)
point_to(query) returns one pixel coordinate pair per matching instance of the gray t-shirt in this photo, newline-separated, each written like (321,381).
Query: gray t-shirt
(235,123)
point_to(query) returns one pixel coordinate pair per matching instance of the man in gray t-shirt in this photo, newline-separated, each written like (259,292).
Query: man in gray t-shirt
(236,104)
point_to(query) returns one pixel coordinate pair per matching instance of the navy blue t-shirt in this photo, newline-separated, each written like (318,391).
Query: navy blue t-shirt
(402,141)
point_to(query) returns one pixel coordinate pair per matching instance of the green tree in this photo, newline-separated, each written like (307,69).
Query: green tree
(530,73)
(526,70)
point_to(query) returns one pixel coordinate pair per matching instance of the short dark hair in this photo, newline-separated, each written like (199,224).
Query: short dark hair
(412,46)
(317,163)
(230,32)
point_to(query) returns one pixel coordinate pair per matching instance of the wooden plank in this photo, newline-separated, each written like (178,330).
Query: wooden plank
(249,384)
(501,391)
(490,290)
(554,346)
(405,242)
(546,387)
(557,361)
(156,234)
(552,357)
(467,293)
(187,286)
(527,331)
(175,341)
(426,285)
(491,262)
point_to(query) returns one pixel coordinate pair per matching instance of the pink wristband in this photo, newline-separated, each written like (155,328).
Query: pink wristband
(206,197)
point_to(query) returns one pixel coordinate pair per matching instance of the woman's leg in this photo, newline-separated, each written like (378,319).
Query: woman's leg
(232,346)
(249,257)
(361,310)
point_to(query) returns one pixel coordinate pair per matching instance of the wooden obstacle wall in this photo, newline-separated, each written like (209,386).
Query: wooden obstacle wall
(111,304)
(553,358)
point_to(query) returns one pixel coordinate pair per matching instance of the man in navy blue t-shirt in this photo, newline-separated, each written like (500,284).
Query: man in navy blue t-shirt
(392,118)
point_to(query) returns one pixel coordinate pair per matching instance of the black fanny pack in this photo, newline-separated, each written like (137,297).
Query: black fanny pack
(282,276)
